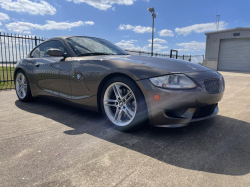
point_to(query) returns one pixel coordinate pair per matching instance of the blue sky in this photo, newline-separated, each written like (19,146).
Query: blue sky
(180,24)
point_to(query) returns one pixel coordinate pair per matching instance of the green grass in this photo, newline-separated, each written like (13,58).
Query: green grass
(6,73)
(7,86)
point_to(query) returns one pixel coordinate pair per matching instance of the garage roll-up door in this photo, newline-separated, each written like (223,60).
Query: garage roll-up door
(234,55)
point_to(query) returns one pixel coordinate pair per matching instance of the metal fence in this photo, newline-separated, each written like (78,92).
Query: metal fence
(191,58)
(13,48)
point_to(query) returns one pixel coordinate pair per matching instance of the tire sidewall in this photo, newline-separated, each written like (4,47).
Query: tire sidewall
(28,96)
(141,113)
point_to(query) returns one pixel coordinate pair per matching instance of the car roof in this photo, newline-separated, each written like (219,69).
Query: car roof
(70,36)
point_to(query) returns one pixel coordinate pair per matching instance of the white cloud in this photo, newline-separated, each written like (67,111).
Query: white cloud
(30,7)
(158,47)
(192,46)
(125,27)
(166,32)
(136,29)
(126,44)
(104,4)
(129,44)
(89,23)
(26,27)
(157,40)
(113,8)
(200,28)
(4,17)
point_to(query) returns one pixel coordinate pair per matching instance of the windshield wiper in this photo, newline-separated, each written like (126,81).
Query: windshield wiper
(91,54)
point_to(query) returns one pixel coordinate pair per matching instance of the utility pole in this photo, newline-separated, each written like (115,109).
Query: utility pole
(152,10)
(217,20)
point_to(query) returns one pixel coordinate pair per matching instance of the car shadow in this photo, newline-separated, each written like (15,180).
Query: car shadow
(218,145)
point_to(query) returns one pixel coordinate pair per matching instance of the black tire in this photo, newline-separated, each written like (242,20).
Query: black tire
(141,116)
(28,97)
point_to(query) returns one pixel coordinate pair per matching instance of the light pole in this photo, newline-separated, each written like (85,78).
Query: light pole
(152,10)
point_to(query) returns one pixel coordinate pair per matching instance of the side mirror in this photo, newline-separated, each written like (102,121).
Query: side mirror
(55,52)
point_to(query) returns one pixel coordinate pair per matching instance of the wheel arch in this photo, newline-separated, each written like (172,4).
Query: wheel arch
(108,77)
(15,72)
(18,69)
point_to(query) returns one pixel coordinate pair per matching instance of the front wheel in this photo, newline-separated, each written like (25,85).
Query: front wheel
(22,87)
(123,104)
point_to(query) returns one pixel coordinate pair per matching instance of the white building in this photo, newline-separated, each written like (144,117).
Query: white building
(228,50)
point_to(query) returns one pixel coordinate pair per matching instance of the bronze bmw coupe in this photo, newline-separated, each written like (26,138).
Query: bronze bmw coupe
(129,90)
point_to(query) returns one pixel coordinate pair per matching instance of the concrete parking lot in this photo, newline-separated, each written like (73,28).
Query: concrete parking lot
(50,144)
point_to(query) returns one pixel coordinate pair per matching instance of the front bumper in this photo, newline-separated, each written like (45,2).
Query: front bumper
(181,122)
(177,108)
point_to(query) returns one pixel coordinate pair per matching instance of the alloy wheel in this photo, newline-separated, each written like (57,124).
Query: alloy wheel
(120,104)
(21,85)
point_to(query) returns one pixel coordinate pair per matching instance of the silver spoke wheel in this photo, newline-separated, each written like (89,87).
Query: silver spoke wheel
(120,104)
(21,85)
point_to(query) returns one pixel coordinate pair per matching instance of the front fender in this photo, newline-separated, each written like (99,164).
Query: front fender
(125,72)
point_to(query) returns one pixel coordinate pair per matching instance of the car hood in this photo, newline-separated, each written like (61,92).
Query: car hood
(168,64)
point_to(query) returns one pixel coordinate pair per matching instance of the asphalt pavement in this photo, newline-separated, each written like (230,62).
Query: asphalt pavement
(50,144)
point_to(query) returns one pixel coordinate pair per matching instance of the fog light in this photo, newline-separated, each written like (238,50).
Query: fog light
(156,97)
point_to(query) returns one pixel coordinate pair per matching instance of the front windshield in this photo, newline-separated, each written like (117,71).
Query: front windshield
(86,45)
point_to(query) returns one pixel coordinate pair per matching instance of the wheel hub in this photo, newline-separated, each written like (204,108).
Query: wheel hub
(117,104)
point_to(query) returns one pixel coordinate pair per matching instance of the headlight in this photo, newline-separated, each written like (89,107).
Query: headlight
(177,81)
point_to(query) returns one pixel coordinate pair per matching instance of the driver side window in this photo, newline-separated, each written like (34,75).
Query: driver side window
(40,51)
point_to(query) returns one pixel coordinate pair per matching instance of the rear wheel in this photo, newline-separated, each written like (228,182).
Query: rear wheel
(123,104)
(22,87)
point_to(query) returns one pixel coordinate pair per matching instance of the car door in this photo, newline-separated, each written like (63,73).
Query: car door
(52,73)
(83,72)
